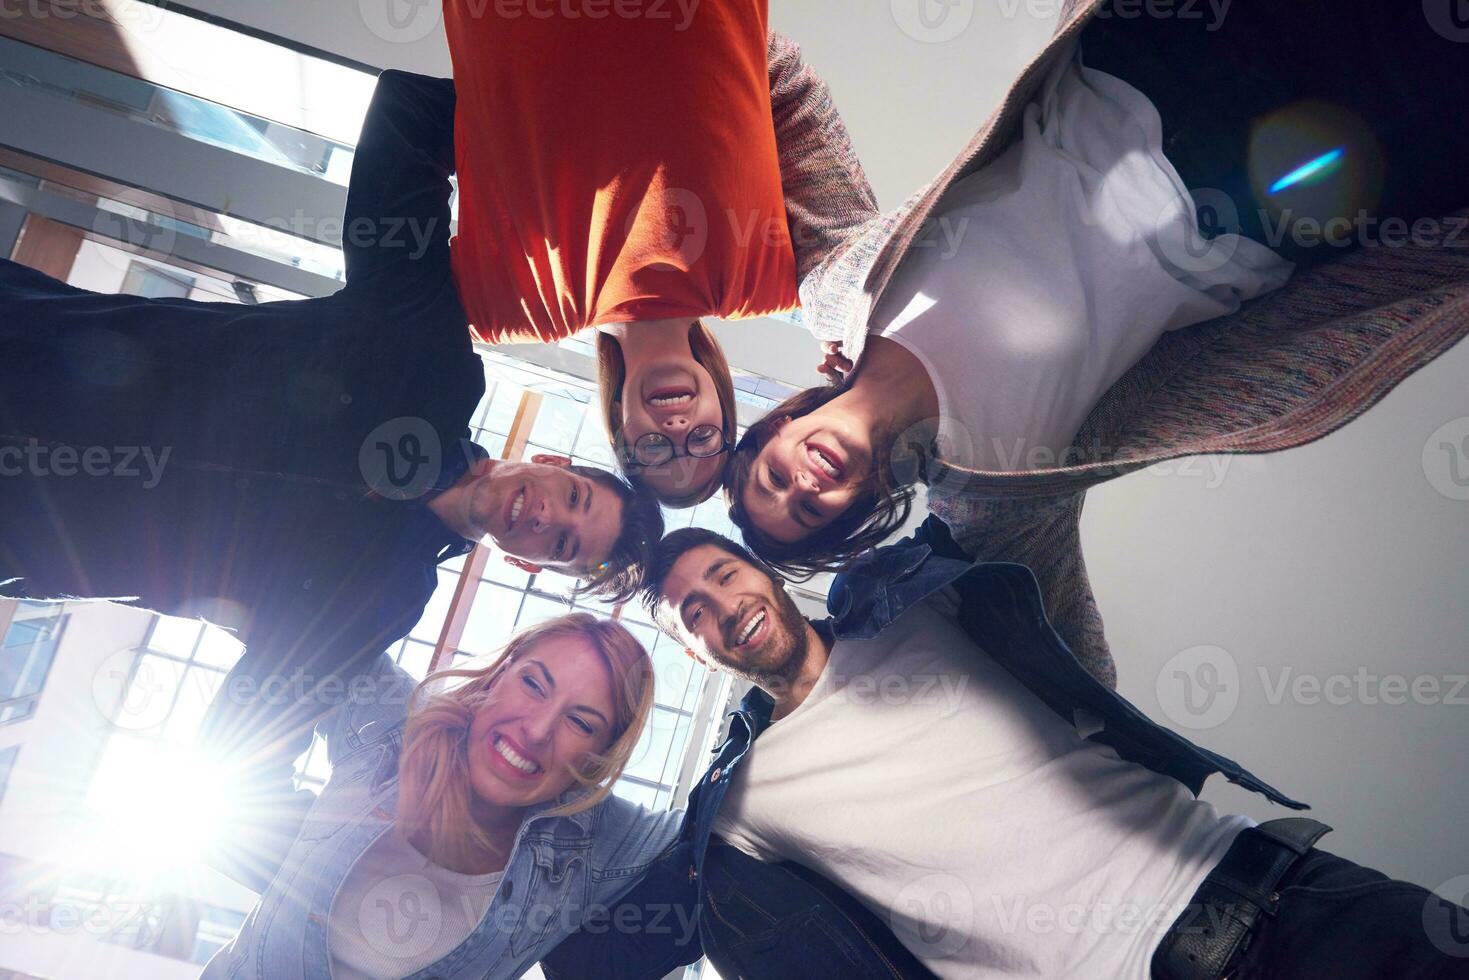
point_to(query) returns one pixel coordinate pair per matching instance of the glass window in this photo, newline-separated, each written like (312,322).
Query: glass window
(218,648)
(558,423)
(432,622)
(539,609)
(196,692)
(654,757)
(313,768)
(216,928)
(53,75)
(503,403)
(155,283)
(26,653)
(175,637)
(491,620)
(415,659)
(636,792)
(8,755)
(151,693)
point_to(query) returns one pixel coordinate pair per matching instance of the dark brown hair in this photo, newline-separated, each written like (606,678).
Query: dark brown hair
(642,526)
(882,504)
(612,378)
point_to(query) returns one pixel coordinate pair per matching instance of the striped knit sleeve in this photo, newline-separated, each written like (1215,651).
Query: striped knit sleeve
(826,190)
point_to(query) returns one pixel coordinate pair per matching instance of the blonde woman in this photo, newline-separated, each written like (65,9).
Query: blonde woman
(468,824)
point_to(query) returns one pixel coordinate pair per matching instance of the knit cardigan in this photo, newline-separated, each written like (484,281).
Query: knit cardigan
(1287,369)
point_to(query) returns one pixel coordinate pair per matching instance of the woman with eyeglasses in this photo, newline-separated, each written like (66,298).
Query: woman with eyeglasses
(624,173)
(468,823)
(670,436)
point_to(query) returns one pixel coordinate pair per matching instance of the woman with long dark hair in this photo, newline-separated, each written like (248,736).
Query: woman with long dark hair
(1152,250)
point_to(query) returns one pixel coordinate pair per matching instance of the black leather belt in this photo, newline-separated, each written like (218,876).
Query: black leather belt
(1215,928)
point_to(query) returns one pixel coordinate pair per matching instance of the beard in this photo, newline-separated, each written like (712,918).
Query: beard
(480,506)
(777,665)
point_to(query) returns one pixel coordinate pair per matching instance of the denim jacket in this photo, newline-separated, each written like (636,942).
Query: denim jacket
(561,869)
(1001,609)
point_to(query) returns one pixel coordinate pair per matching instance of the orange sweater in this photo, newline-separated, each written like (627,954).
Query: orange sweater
(614,167)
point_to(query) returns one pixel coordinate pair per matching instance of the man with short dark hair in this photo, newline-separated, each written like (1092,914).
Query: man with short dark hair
(311,460)
(934,750)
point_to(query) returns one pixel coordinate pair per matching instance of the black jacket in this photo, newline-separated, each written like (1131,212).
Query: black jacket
(272,510)
(1001,610)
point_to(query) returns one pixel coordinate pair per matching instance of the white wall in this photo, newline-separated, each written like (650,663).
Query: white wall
(45,818)
(63,740)
(359,29)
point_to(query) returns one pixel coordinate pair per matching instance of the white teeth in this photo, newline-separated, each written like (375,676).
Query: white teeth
(827,465)
(515,758)
(750,628)
(671,401)
(517,507)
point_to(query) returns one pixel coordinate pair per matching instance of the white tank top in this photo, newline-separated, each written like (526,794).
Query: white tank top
(398,912)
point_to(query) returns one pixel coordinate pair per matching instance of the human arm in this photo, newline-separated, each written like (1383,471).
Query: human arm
(398,217)
(264,810)
(826,190)
(1044,534)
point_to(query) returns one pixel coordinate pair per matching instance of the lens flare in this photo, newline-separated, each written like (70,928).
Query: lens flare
(1316,169)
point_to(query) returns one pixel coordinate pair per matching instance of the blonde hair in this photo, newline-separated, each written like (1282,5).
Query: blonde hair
(612,378)
(434,791)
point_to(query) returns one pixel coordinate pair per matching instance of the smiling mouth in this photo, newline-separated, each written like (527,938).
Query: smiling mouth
(753,627)
(513,757)
(826,461)
(514,509)
(666,398)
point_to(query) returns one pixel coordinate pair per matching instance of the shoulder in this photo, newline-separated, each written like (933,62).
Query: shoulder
(372,707)
(625,834)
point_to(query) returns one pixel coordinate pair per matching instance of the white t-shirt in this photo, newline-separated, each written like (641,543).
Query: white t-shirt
(1048,274)
(398,912)
(924,779)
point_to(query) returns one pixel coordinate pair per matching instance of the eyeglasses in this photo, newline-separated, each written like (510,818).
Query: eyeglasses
(655,449)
